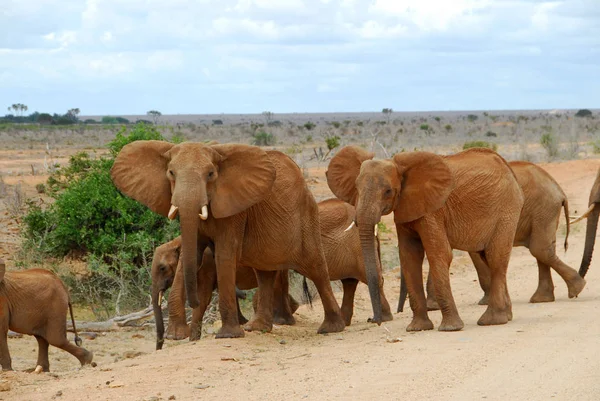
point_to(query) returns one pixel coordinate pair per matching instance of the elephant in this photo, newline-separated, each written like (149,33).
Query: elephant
(343,253)
(592,225)
(166,271)
(253,206)
(35,302)
(544,199)
(469,201)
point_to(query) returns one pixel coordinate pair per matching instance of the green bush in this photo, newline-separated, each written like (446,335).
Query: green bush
(263,139)
(109,120)
(92,220)
(583,113)
(332,142)
(549,142)
(309,125)
(480,144)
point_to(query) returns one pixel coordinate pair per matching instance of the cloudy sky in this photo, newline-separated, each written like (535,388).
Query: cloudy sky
(247,56)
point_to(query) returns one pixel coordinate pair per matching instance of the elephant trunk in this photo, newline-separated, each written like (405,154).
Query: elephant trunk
(158,317)
(367,241)
(590,239)
(403,292)
(189,254)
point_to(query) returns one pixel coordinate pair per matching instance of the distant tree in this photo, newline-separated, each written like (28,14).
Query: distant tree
(122,120)
(44,118)
(268,117)
(388,114)
(72,115)
(472,117)
(109,120)
(155,115)
(583,113)
(19,109)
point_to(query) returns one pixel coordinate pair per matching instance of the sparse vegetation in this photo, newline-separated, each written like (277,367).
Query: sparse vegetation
(550,144)
(263,138)
(480,144)
(154,115)
(583,113)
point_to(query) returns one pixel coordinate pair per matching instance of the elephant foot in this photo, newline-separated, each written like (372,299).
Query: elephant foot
(542,296)
(451,324)
(420,324)
(484,300)
(333,324)
(294,305)
(36,370)
(385,317)
(257,323)
(286,320)
(575,286)
(493,317)
(347,316)
(230,332)
(87,359)
(432,304)
(177,331)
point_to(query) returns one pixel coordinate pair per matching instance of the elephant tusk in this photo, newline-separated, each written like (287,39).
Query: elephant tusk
(585,215)
(376,229)
(204,214)
(173,212)
(160,298)
(350,226)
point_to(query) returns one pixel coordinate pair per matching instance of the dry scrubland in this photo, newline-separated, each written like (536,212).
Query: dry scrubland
(547,351)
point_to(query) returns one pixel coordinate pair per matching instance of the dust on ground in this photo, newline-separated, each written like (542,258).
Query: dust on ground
(547,351)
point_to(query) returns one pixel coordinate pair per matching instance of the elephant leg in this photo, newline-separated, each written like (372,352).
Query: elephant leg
(282,310)
(546,253)
(177,327)
(315,269)
(226,262)
(207,282)
(432,303)
(439,254)
(42,359)
(241,318)
(57,336)
(499,310)
(545,289)
(386,311)
(411,259)
(347,309)
(5,361)
(483,274)
(263,318)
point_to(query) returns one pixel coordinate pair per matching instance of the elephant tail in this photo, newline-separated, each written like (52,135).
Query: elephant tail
(306,292)
(77,338)
(566,208)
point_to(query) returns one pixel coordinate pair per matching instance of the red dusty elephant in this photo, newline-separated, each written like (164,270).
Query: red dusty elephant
(36,302)
(469,201)
(252,205)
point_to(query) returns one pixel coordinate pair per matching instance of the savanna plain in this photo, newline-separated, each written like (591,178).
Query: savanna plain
(548,350)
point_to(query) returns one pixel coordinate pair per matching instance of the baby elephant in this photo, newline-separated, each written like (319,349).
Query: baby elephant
(167,272)
(35,302)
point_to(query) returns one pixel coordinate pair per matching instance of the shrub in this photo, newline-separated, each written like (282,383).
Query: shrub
(583,113)
(109,120)
(40,188)
(491,134)
(472,117)
(217,122)
(92,220)
(122,120)
(263,139)
(332,142)
(480,144)
(336,124)
(424,127)
(309,125)
(549,142)
(448,127)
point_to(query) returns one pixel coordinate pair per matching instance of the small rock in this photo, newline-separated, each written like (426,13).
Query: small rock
(202,386)
(172,397)
(58,394)
(131,354)
(115,384)
(4,385)
(394,340)
(282,342)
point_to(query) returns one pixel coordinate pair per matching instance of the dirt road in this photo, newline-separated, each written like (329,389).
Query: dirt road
(549,351)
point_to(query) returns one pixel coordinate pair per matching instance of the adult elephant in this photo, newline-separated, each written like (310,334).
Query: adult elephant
(469,201)
(538,222)
(592,225)
(253,206)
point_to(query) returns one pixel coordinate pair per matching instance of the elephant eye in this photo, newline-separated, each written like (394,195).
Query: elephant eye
(162,268)
(171,173)
(387,193)
(211,174)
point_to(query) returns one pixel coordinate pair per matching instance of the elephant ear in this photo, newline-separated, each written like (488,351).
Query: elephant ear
(343,170)
(246,176)
(426,184)
(140,173)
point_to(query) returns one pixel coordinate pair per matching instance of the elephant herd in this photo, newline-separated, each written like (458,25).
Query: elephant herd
(247,217)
